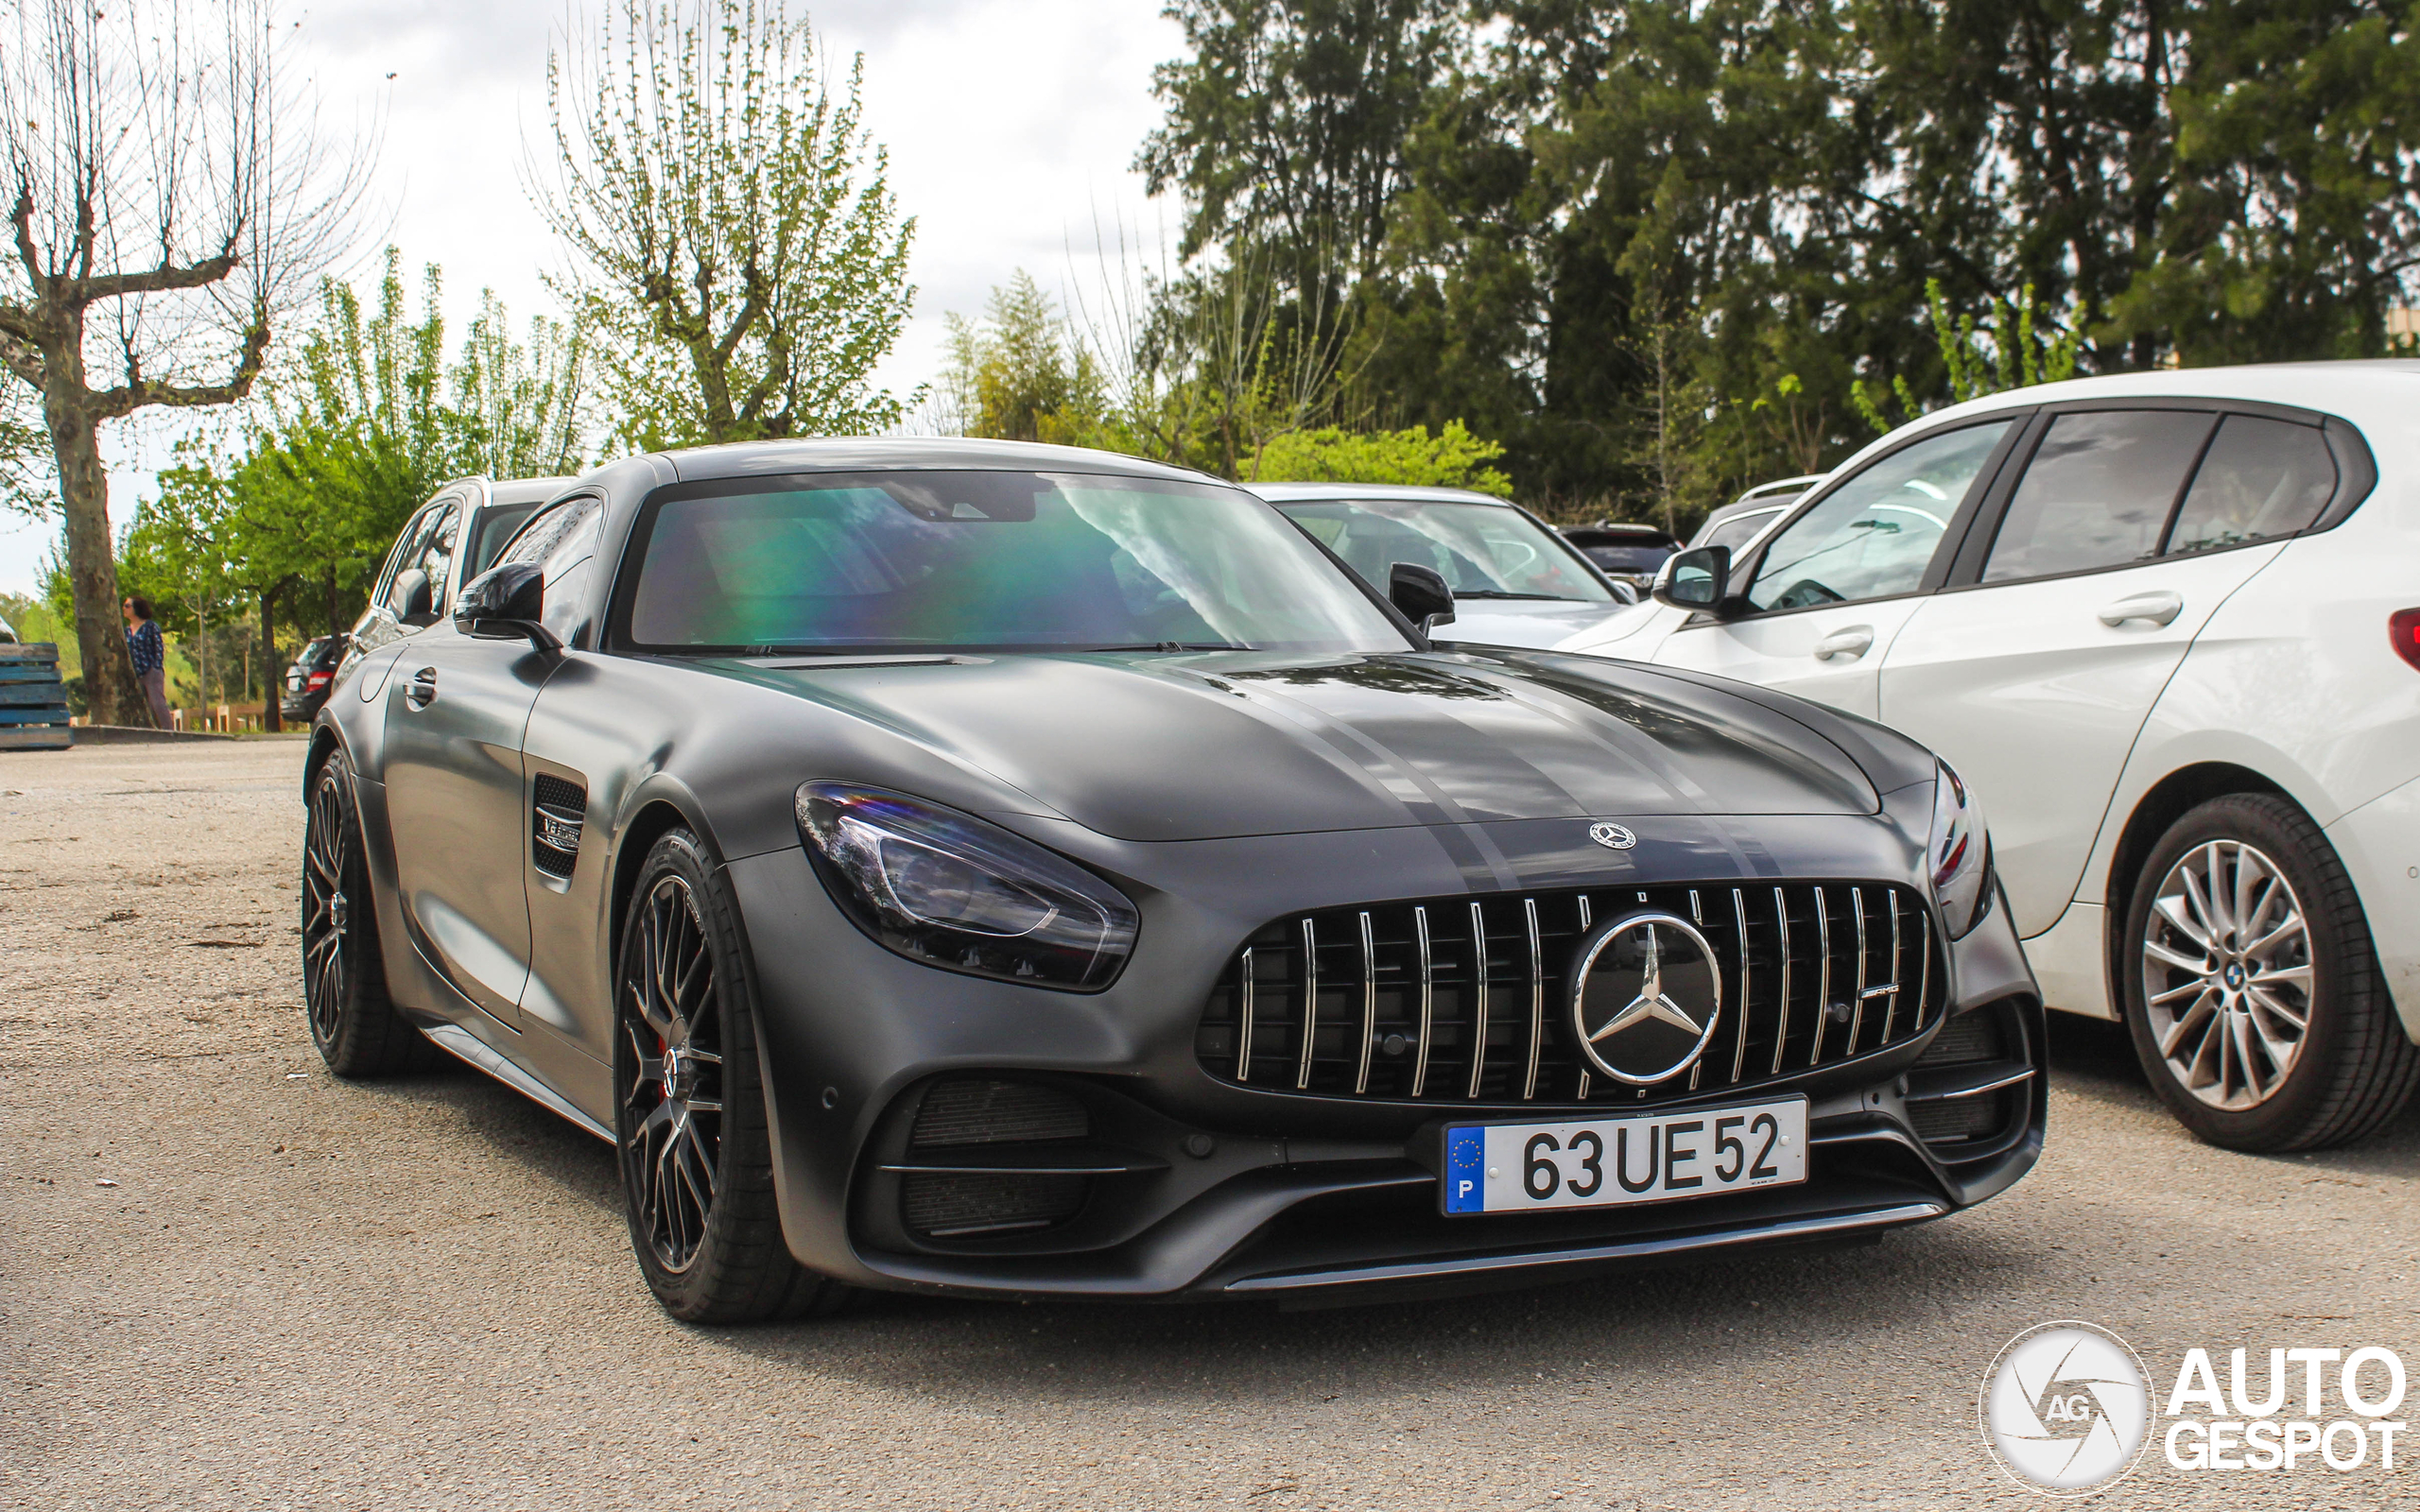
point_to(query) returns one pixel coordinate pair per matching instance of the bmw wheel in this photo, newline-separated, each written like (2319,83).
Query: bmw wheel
(2252,991)
(344,980)
(695,1151)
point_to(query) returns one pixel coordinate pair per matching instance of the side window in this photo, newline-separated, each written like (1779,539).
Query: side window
(562,541)
(1874,536)
(2097,492)
(2261,478)
(436,555)
(407,542)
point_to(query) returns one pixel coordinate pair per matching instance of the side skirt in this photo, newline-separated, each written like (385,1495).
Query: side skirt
(467,1047)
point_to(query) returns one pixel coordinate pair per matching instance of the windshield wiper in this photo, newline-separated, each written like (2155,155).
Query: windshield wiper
(1170,646)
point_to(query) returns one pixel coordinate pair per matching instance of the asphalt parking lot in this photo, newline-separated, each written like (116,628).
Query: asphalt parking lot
(233,1281)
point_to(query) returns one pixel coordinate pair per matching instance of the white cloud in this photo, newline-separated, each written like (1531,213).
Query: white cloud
(1012,125)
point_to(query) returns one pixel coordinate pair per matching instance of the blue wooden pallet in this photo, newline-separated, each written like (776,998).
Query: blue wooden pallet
(33,702)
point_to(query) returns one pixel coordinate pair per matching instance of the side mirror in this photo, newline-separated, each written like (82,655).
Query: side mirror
(1694,580)
(507,603)
(413,599)
(1421,594)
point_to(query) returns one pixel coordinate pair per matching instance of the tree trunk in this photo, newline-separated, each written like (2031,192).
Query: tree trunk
(110,690)
(274,682)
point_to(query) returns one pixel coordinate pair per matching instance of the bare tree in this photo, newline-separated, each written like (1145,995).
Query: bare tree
(170,200)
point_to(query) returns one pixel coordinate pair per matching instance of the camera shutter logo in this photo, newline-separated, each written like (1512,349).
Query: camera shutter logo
(2065,1408)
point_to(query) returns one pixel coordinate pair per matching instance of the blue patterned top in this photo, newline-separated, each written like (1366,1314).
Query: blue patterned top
(143,645)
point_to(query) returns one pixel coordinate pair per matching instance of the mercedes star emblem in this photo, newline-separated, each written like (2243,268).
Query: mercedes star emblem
(1612,836)
(1645,997)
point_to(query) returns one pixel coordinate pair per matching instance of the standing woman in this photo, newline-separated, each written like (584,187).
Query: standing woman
(150,656)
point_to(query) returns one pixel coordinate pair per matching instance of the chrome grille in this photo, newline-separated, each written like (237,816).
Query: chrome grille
(1467,1000)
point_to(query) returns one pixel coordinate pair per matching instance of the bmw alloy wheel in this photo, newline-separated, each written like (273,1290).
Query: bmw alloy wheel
(2227,975)
(672,1124)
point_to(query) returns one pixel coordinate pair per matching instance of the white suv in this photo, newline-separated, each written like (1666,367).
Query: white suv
(2167,627)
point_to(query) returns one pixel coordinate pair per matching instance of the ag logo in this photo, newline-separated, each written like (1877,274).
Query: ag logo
(2064,1408)
(1612,836)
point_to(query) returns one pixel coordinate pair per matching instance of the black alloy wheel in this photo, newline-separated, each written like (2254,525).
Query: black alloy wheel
(696,1150)
(2251,988)
(344,979)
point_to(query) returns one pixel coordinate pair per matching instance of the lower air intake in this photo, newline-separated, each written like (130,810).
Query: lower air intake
(953,1206)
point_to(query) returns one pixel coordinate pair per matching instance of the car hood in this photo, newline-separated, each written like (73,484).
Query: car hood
(1158,748)
(1541,625)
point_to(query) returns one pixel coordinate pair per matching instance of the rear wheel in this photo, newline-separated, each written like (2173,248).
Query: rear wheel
(344,981)
(2252,990)
(695,1152)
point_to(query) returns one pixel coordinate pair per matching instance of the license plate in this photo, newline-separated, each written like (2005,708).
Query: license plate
(1605,1162)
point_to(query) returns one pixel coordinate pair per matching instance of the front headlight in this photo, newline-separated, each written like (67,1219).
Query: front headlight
(947,889)
(1958,858)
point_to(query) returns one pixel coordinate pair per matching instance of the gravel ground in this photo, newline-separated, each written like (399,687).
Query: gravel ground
(233,1281)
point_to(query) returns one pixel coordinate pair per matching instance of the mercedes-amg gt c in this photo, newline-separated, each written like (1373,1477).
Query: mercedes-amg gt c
(1014,870)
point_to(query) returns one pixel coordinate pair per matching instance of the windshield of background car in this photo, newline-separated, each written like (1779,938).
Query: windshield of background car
(1874,535)
(982,561)
(1628,558)
(1738,531)
(1482,550)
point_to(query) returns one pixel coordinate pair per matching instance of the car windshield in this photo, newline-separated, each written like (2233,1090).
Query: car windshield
(1484,550)
(1737,530)
(982,561)
(1639,558)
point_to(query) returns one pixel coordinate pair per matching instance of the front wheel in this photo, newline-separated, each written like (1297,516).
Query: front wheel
(2252,991)
(696,1154)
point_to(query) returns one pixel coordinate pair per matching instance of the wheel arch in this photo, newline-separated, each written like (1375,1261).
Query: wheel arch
(656,808)
(2165,802)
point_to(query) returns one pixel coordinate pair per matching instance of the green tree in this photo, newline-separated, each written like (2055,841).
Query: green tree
(740,254)
(1012,376)
(526,407)
(1453,458)
(2015,351)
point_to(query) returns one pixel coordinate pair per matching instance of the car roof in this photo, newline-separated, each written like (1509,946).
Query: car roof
(1316,492)
(2375,393)
(524,491)
(1618,527)
(1751,506)
(876,453)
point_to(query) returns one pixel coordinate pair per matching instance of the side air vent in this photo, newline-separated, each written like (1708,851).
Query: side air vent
(1967,1092)
(970,1117)
(558,809)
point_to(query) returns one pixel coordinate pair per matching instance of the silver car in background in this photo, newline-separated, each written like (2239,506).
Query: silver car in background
(1515,582)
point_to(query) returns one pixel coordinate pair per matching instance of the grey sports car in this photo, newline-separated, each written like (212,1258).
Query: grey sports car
(1018,871)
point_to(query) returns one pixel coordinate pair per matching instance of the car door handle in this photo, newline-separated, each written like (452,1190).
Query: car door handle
(1851,642)
(422,690)
(2159,607)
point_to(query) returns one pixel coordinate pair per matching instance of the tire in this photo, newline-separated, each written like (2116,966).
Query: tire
(344,977)
(2213,984)
(695,1152)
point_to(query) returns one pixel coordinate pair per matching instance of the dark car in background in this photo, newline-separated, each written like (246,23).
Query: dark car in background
(307,680)
(1017,871)
(1627,553)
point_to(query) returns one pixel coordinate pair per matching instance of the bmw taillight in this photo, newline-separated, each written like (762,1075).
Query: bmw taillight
(2403,632)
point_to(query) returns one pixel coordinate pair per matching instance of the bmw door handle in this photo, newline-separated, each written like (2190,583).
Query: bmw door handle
(2159,607)
(1851,642)
(422,691)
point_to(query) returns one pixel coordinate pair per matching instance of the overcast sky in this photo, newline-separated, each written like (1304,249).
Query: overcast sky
(1011,124)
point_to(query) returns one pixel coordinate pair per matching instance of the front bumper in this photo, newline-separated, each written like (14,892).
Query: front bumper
(1200,1187)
